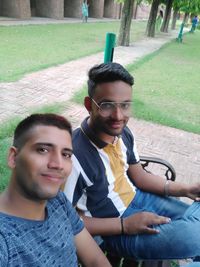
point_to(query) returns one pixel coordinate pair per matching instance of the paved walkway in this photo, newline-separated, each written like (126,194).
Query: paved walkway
(58,84)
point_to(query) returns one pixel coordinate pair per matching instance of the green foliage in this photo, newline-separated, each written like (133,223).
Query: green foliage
(188,6)
(29,48)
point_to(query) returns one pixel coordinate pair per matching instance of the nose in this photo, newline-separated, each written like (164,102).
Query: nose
(55,161)
(117,113)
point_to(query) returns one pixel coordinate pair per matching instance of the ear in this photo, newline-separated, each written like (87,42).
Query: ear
(12,157)
(88,103)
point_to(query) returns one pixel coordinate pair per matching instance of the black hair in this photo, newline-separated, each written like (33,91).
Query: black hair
(107,72)
(49,119)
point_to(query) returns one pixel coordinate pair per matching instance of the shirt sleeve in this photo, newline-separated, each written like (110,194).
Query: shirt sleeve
(3,252)
(75,220)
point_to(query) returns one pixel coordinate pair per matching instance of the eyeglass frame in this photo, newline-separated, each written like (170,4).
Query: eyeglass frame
(116,104)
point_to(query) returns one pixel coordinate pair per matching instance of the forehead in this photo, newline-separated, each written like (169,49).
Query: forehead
(51,135)
(117,90)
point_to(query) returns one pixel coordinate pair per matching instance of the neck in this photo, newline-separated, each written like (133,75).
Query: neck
(13,203)
(107,138)
(101,135)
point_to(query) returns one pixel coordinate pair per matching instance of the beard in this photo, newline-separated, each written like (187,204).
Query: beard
(104,126)
(33,191)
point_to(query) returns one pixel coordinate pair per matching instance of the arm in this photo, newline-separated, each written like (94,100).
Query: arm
(92,256)
(156,184)
(138,223)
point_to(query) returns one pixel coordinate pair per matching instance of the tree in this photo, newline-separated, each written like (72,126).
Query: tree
(150,30)
(125,25)
(165,24)
(190,7)
(176,7)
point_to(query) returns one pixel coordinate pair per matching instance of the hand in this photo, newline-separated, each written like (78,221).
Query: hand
(193,192)
(142,222)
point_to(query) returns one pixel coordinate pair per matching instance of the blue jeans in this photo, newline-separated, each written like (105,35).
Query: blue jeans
(178,239)
(192,264)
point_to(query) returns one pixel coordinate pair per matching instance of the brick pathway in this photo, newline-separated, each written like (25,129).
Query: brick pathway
(57,84)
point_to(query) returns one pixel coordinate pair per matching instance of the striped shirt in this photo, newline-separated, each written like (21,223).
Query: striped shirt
(99,184)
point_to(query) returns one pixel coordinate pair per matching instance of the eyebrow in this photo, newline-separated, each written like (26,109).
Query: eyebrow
(51,145)
(110,101)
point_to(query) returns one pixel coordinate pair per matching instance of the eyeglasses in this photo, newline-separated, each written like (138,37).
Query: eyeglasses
(107,108)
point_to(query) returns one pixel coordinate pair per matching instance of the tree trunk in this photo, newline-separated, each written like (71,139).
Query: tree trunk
(125,24)
(186,17)
(135,9)
(165,24)
(174,19)
(150,30)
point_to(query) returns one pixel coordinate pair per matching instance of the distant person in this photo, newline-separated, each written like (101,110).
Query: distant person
(195,21)
(159,20)
(85,11)
(38,225)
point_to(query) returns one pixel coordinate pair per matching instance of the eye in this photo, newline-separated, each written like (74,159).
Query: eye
(42,150)
(67,155)
(125,105)
(106,105)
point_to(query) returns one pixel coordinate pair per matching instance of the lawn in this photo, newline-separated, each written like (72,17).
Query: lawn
(167,84)
(4,171)
(29,48)
(166,89)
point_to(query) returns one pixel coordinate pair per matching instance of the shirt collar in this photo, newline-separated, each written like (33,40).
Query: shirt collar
(91,135)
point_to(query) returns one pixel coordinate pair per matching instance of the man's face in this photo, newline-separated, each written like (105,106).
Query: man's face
(41,166)
(113,124)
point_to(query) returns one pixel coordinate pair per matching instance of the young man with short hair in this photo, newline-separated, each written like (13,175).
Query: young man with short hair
(131,209)
(38,225)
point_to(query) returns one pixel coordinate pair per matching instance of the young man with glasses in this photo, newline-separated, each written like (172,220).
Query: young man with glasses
(131,209)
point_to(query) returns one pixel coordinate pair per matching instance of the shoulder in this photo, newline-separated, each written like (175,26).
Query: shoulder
(60,202)
(79,140)
(127,135)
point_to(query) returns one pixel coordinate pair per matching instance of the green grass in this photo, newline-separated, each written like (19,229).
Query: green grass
(166,89)
(25,49)
(4,171)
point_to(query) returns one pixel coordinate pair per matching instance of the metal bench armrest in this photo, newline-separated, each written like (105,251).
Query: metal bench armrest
(170,173)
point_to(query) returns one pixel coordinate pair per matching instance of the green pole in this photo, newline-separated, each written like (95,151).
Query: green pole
(180,35)
(109,47)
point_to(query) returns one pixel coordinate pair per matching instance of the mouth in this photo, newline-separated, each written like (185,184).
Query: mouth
(116,124)
(55,178)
